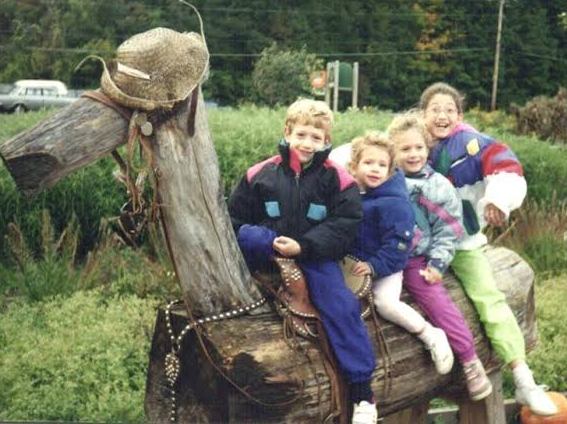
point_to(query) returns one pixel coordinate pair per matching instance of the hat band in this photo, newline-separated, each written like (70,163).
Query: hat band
(132,72)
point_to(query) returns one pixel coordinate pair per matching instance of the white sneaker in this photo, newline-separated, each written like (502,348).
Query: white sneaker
(536,399)
(441,352)
(364,413)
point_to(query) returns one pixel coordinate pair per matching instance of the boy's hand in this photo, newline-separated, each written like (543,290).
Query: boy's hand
(286,246)
(361,268)
(431,275)
(494,216)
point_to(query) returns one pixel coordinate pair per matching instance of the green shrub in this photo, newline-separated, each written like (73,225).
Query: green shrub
(544,116)
(281,76)
(80,358)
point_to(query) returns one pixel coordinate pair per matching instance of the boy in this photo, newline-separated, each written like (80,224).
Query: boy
(300,205)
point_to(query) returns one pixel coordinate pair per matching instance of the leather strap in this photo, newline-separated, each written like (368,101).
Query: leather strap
(100,97)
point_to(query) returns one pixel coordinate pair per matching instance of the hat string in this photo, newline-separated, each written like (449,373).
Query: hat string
(200,22)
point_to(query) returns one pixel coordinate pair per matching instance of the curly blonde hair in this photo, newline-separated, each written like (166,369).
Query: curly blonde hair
(370,139)
(411,120)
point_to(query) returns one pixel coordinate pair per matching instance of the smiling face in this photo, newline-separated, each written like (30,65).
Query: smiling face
(373,168)
(441,116)
(306,140)
(411,151)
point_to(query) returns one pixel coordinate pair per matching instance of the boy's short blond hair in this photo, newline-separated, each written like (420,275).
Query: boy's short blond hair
(309,112)
(370,139)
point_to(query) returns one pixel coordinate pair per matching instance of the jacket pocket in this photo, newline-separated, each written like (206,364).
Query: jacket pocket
(316,212)
(272,209)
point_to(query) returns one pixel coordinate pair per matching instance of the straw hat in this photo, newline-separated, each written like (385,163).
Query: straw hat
(155,69)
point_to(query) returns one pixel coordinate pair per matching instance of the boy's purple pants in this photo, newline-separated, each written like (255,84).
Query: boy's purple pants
(436,303)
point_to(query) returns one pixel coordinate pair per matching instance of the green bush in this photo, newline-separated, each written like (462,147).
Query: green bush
(80,358)
(281,76)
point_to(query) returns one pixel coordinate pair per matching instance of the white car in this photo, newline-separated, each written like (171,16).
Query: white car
(34,95)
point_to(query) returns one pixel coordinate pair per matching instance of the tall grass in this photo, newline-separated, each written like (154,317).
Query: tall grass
(539,234)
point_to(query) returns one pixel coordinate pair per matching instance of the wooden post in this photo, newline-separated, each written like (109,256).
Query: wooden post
(336,86)
(416,414)
(497,56)
(355,85)
(328,84)
(486,411)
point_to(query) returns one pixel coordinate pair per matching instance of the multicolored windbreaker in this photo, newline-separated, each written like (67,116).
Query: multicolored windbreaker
(318,206)
(483,171)
(437,210)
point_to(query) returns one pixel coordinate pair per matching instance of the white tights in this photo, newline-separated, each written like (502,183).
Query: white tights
(387,291)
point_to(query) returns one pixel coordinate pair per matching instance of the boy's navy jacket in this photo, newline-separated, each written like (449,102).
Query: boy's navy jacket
(385,235)
(318,206)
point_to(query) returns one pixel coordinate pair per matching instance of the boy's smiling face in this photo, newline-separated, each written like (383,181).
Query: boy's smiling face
(306,140)
(441,116)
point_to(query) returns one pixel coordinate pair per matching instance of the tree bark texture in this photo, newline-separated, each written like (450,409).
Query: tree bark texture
(252,352)
(75,136)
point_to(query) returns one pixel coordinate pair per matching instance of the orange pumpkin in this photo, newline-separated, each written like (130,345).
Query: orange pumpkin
(528,417)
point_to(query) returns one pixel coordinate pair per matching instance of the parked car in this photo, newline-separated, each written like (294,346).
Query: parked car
(34,95)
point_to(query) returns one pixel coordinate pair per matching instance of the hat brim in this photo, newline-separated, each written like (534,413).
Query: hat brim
(109,88)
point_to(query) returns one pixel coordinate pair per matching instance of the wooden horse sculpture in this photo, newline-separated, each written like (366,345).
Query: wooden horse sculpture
(220,355)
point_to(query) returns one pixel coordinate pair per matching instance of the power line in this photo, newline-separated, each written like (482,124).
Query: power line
(322,54)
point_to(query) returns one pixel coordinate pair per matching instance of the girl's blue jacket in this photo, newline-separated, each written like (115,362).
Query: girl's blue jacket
(385,234)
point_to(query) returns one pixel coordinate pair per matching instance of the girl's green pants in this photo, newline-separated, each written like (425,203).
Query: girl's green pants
(475,274)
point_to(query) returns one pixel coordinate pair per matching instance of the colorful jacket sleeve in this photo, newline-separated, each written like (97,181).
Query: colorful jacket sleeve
(503,174)
(395,242)
(444,210)
(332,238)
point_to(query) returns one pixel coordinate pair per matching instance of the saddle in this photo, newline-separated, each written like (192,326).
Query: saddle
(292,294)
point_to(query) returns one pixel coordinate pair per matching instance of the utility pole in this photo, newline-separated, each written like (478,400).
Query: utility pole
(497,56)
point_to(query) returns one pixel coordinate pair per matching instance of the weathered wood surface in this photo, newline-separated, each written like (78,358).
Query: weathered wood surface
(253,353)
(210,268)
(75,136)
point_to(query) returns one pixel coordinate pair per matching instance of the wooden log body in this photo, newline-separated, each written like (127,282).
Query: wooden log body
(252,352)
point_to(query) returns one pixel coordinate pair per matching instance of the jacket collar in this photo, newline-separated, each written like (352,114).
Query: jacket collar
(291,160)
(395,186)
(424,172)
